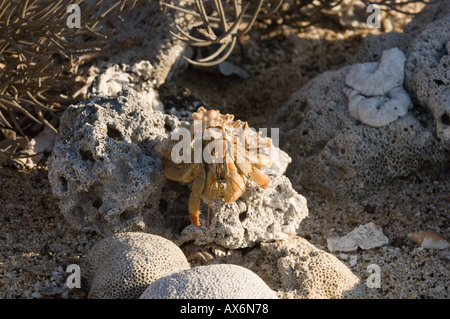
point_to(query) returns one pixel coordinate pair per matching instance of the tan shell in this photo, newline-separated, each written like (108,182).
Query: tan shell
(429,239)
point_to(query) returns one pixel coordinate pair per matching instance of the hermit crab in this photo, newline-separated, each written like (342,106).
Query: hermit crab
(216,154)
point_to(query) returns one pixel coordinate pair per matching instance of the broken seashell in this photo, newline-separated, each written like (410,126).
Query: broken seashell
(429,239)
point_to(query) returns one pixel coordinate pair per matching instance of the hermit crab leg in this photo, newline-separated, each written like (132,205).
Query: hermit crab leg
(242,155)
(196,194)
(212,188)
(263,161)
(251,167)
(259,177)
(235,183)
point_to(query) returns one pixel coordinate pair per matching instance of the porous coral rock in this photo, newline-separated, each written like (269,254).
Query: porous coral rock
(152,54)
(104,169)
(375,44)
(122,266)
(224,281)
(108,177)
(111,79)
(428,74)
(259,215)
(146,37)
(305,272)
(333,154)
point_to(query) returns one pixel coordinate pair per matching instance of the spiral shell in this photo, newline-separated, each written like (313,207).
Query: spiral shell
(429,239)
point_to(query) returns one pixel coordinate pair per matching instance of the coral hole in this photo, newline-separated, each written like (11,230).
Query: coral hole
(114,134)
(445,119)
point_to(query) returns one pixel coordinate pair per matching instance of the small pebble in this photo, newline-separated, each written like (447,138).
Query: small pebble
(343,256)
(353,260)
(36,295)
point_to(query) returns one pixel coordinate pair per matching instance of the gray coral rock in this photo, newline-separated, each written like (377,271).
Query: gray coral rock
(433,11)
(108,177)
(110,79)
(374,45)
(146,37)
(305,272)
(337,156)
(259,215)
(122,266)
(428,74)
(152,54)
(224,281)
(104,170)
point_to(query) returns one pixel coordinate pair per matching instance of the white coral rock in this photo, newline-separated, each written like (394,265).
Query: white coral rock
(376,95)
(122,266)
(224,281)
(379,110)
(375,78)
(365,237)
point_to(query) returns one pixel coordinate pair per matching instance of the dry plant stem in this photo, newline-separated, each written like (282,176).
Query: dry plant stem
(40,54)
(228,38)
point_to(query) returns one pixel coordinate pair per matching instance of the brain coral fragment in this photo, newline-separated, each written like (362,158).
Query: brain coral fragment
(376,95)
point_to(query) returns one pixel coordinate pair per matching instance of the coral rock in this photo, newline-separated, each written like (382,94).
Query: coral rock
(333,154)
(122,266)
(367,236)
(375,78)
(224,281)
(428,74)
(309,273)
(111,79)
(146,37)
(259,215)
(103,168)
(377,97)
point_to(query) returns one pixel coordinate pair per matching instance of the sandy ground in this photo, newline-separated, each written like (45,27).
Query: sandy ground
(37,244)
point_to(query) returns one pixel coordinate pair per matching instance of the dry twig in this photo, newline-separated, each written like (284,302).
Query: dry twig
(40,54)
